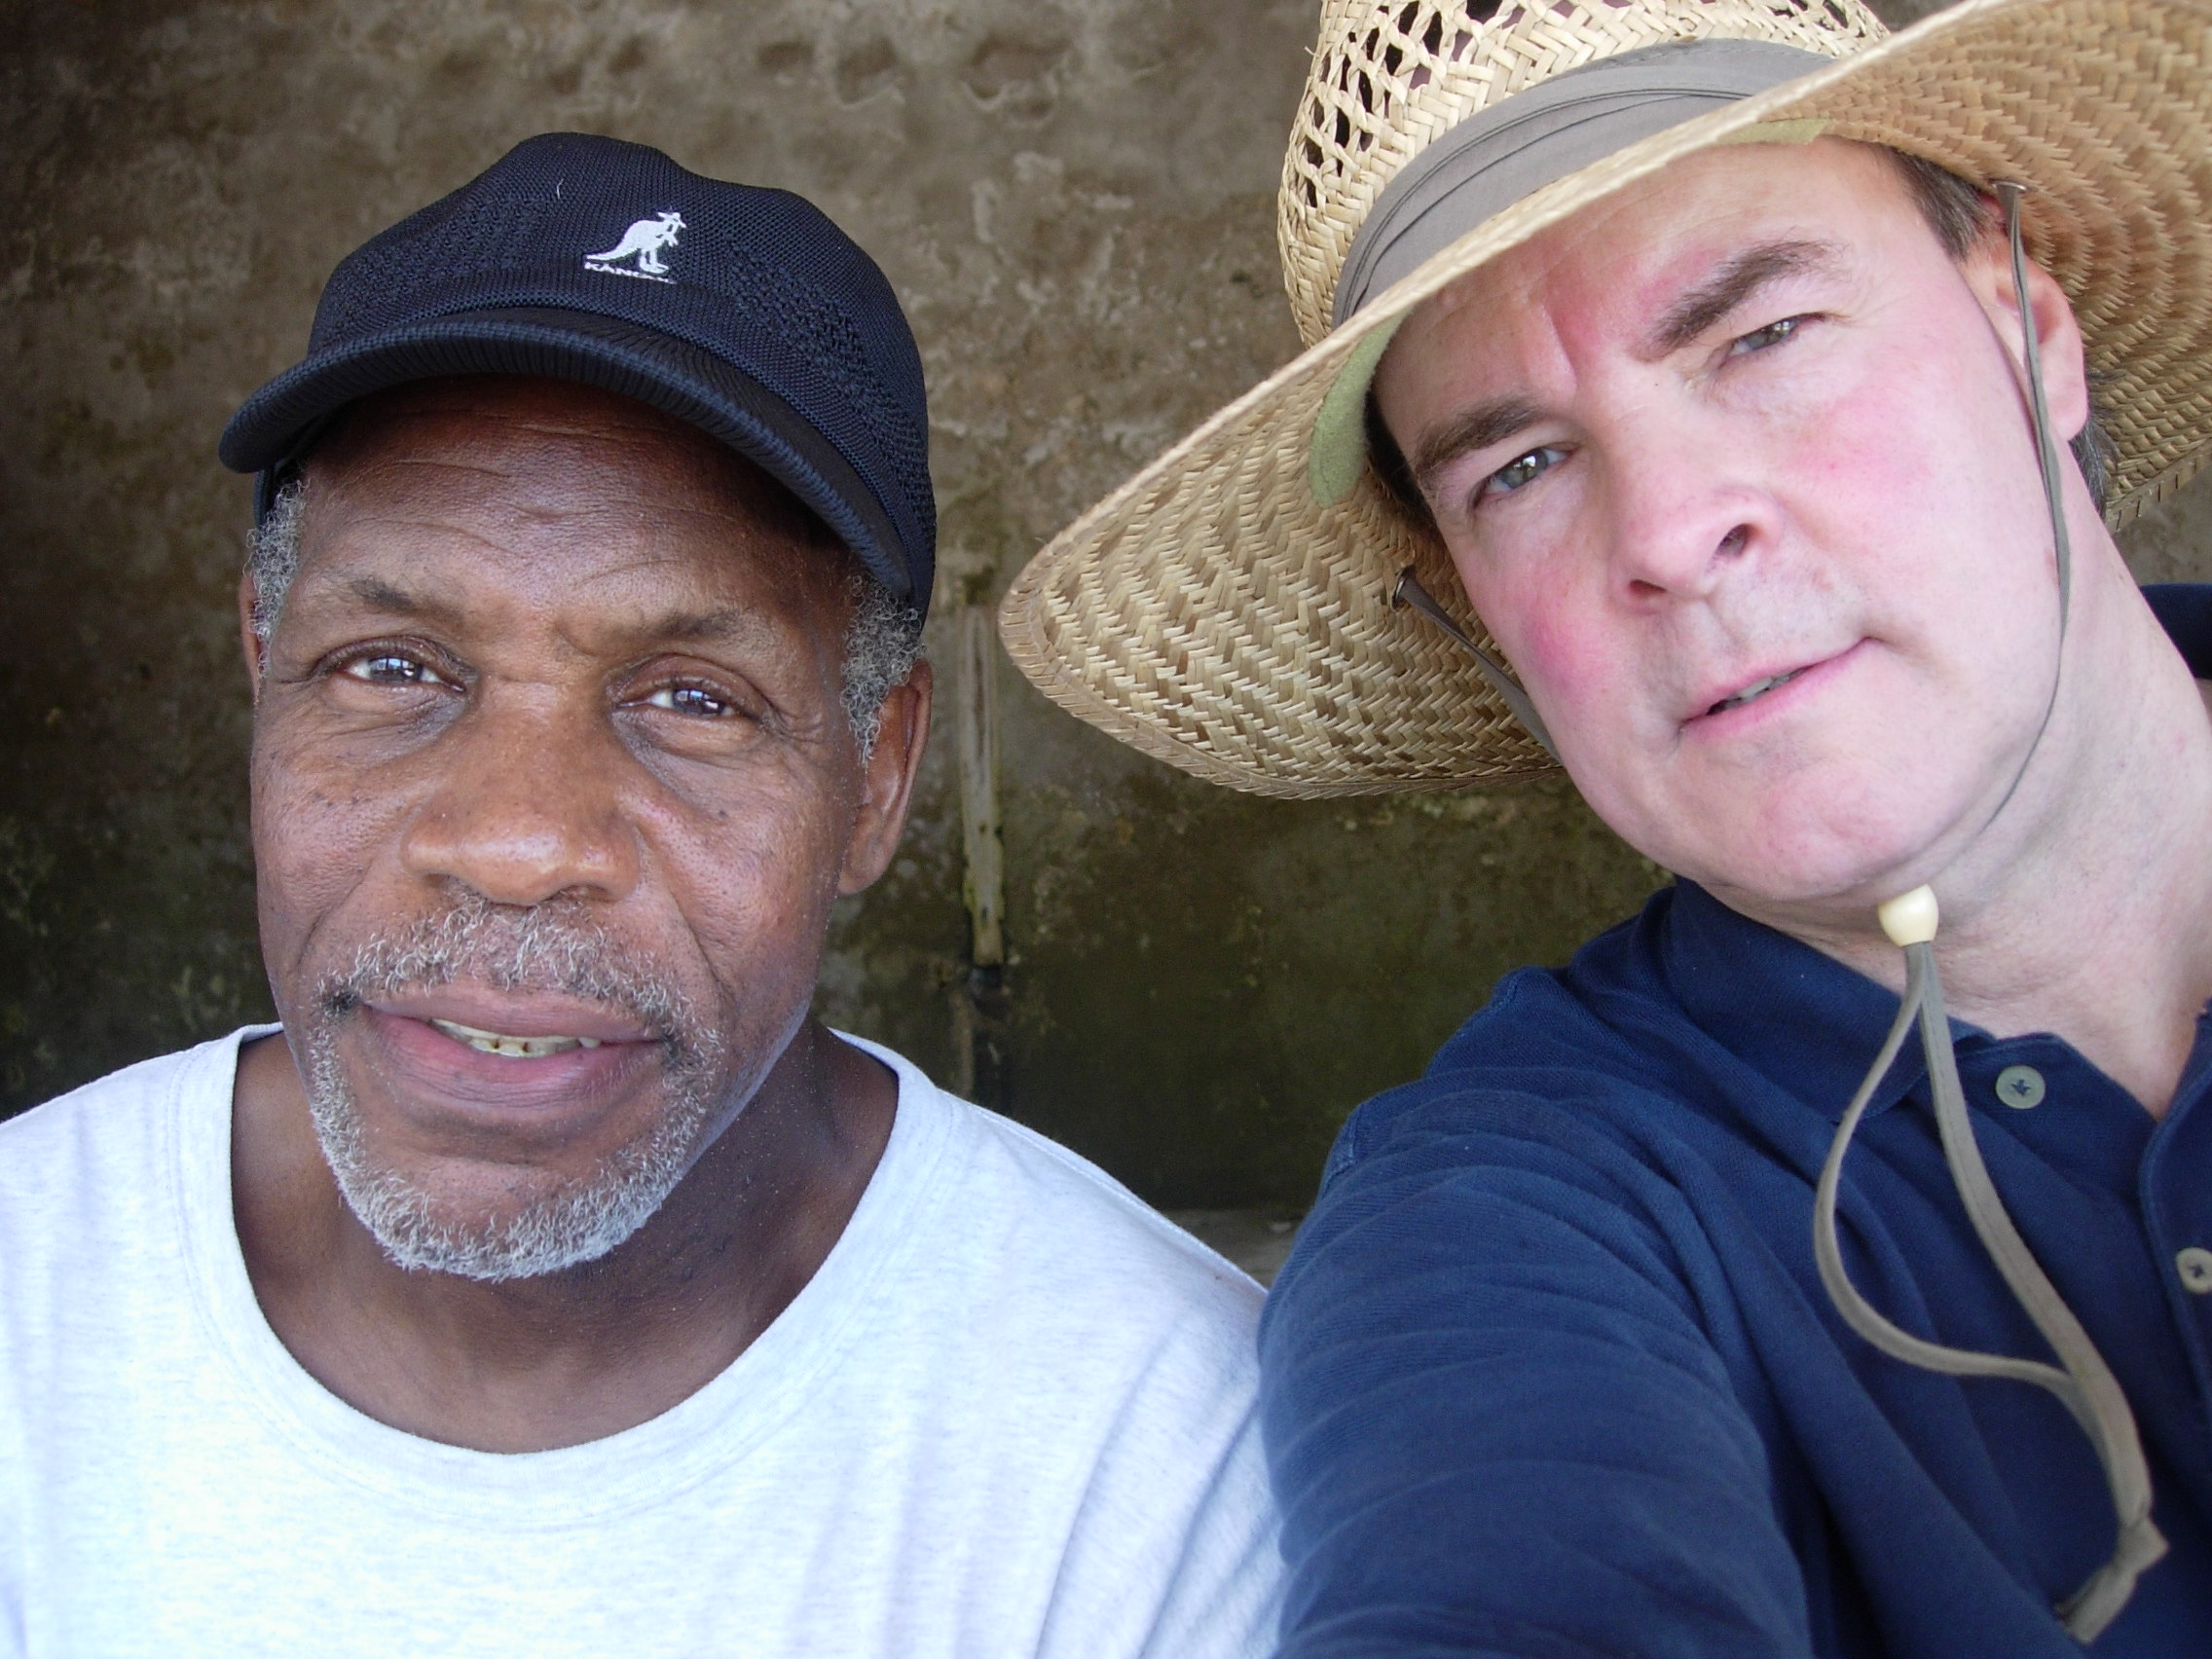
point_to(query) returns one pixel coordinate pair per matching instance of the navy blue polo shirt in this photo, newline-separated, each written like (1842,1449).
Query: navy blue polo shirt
(1551,1370)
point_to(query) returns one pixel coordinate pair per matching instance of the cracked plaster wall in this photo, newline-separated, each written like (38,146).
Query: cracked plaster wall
(1074,200)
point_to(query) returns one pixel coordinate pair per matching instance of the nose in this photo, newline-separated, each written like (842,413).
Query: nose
(1682,514)
(526,805)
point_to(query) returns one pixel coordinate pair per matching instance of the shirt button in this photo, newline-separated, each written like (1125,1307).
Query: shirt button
(2020,1087)
(2194,1265)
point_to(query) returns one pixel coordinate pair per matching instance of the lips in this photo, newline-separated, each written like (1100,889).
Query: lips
(509,1046)
(1738,693)
(515,1024)
(477,1049)
(1752,692)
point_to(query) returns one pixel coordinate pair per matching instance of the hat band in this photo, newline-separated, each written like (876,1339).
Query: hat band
(1499,155)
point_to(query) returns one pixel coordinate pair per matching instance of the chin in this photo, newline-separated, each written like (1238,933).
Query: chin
(423,1225)
(533,1221)
(1787,859)
(564,1227)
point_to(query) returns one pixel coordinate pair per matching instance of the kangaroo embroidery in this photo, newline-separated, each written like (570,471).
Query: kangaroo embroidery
(641,241)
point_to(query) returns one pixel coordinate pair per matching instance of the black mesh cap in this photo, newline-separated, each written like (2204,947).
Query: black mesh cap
(743,311)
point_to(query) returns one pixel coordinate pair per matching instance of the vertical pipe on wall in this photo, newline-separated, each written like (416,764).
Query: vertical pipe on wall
(983,885)
(980,1015)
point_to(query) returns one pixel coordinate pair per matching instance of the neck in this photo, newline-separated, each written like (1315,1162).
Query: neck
(2085,909)
(532,1364)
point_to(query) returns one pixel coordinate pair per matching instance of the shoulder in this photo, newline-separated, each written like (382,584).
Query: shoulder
(93,1235)
(1554,1052)
(1122,1235)
(1047,1228)
(106,1124)
(1563,1135)
(83,1173)
(2184,610)
(1117,1360)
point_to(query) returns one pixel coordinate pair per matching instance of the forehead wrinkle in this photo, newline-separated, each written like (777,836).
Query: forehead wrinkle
(620,509)
(663,617)
(603,637)
(638,530)
(657,598)
(578,484)
(1736,280)
(606,637)
(375,536)
(657,523)
(727,622)
(674,624)
(629,453)
(720,624)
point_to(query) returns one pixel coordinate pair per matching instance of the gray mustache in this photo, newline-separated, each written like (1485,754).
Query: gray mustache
(557,946)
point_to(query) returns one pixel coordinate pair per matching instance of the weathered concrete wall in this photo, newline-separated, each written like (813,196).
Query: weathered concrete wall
(1074,200)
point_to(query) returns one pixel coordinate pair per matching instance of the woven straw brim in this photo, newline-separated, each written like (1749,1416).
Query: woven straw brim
(1214,615)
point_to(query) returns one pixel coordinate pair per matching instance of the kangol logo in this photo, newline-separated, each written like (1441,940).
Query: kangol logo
(641,241)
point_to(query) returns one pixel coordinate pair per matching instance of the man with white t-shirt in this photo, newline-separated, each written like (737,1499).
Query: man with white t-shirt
(550,1282)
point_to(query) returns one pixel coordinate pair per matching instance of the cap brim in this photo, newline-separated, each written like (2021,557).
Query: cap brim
(671,375)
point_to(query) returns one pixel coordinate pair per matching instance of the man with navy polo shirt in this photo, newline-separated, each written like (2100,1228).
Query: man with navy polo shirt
(1822,1262)
(550,1282)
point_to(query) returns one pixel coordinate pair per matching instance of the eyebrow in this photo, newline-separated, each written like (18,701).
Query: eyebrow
(1736,280)
(1470,430)
(729,622)
(695,627)
(377,594)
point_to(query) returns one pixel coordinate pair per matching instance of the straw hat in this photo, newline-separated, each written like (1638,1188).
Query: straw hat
(1228,608)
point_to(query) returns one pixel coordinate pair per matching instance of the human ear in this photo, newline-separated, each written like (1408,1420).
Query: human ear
(902,732)
(249,637)
(1988,269)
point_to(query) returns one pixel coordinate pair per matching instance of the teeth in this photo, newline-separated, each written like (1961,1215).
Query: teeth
(1757,689)
(513,1048)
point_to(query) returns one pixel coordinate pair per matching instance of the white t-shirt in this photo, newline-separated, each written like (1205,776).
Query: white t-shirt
(1012,1413)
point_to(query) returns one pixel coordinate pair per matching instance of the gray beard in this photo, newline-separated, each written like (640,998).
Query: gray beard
(555,946)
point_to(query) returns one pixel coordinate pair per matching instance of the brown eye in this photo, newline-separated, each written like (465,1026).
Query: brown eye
(694,700)
(388,668)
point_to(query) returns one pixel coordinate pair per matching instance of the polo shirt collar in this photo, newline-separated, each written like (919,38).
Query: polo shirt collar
(2184,610)
(1804,1020)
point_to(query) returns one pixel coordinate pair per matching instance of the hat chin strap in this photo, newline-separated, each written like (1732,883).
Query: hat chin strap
(1410,592)
(2083,1381)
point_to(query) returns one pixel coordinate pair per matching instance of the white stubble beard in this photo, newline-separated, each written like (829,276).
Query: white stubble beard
(577,1221)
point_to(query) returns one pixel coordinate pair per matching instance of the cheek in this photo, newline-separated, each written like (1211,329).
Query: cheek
(1894,434)
(315,832)
(1915,490)
(1872,453)
(1549,618)
(753,874)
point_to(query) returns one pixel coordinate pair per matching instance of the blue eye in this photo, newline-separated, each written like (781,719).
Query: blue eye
(1759,339)
(1525,470)
(388,668)
(691,700)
